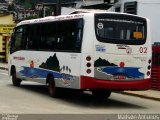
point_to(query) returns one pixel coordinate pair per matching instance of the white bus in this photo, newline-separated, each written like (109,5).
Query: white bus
(100,52)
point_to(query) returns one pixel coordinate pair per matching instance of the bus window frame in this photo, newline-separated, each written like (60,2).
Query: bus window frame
(81,37)
(118,41)
(25,35)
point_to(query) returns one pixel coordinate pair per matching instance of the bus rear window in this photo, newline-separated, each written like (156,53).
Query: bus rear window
(120,29)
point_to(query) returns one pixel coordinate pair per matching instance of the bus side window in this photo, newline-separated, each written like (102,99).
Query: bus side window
(70,39)
(48,36)
(29,43)
(33,33)
(78,40)
(79,32)
(50,43)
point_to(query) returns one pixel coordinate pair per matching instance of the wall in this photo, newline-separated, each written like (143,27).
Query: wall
(6,27)
(151,11)
(8,19)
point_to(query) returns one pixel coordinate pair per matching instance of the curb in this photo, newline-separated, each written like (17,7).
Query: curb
(3,68)
(140,95)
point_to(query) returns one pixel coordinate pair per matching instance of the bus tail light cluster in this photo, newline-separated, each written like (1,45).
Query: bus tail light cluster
(88,58)
(149,67)
(88,64)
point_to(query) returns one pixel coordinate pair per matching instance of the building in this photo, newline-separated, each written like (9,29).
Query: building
(67,6)
(6,27)
(146,8)
(9,1)
(3,7)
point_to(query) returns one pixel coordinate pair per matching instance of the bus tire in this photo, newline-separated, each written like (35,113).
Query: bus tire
(101,93)
(15,81)
(52,87)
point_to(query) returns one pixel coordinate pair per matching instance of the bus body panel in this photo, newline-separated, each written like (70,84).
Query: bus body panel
(117,66)
(93,83)
(36,65)
(122,66)
(88,46)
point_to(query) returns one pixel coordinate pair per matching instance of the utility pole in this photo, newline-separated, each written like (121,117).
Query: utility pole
(58,7)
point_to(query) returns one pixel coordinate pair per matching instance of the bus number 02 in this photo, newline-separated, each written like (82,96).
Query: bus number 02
(143,49)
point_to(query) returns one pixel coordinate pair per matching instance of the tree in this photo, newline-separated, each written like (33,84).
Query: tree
(11,7)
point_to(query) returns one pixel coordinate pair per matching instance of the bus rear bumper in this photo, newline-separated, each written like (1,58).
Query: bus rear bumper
(92,83)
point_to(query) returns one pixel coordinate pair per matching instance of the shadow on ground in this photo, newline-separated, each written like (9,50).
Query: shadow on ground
(83,99)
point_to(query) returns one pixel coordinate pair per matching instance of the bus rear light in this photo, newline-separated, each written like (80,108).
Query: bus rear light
(88,58)
(148,73)
(121,64)
(88,64)
(149,67)
(119,77)
(88,71)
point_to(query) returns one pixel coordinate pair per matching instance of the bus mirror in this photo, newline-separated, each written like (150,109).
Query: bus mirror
(11,42)
(12,37)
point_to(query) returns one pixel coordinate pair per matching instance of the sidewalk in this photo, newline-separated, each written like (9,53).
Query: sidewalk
(148,94)
(3,66)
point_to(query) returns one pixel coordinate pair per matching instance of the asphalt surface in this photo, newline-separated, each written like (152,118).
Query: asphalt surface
(149,94)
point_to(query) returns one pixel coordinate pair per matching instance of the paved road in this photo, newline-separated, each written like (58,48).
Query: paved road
(32,98)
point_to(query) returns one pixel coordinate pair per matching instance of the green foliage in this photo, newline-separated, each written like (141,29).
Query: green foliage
(11,7)
(31,17)
(27,4)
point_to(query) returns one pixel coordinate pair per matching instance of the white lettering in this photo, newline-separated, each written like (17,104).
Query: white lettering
(120,20)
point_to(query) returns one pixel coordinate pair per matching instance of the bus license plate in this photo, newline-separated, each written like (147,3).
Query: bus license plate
(119,77)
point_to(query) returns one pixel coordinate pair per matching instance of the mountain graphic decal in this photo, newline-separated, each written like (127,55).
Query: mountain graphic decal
(102,62)
(52,63)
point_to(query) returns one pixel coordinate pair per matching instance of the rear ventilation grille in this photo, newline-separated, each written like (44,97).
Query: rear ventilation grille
(130,7)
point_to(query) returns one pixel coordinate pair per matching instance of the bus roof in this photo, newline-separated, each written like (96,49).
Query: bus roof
(64,17)
(51,18)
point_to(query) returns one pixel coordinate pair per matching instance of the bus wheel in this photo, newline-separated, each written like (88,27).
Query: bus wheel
(52,88)
(101,93)
(15,81)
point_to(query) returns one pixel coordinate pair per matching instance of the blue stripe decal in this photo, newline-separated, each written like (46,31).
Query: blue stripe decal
(130,72)
(39,73)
